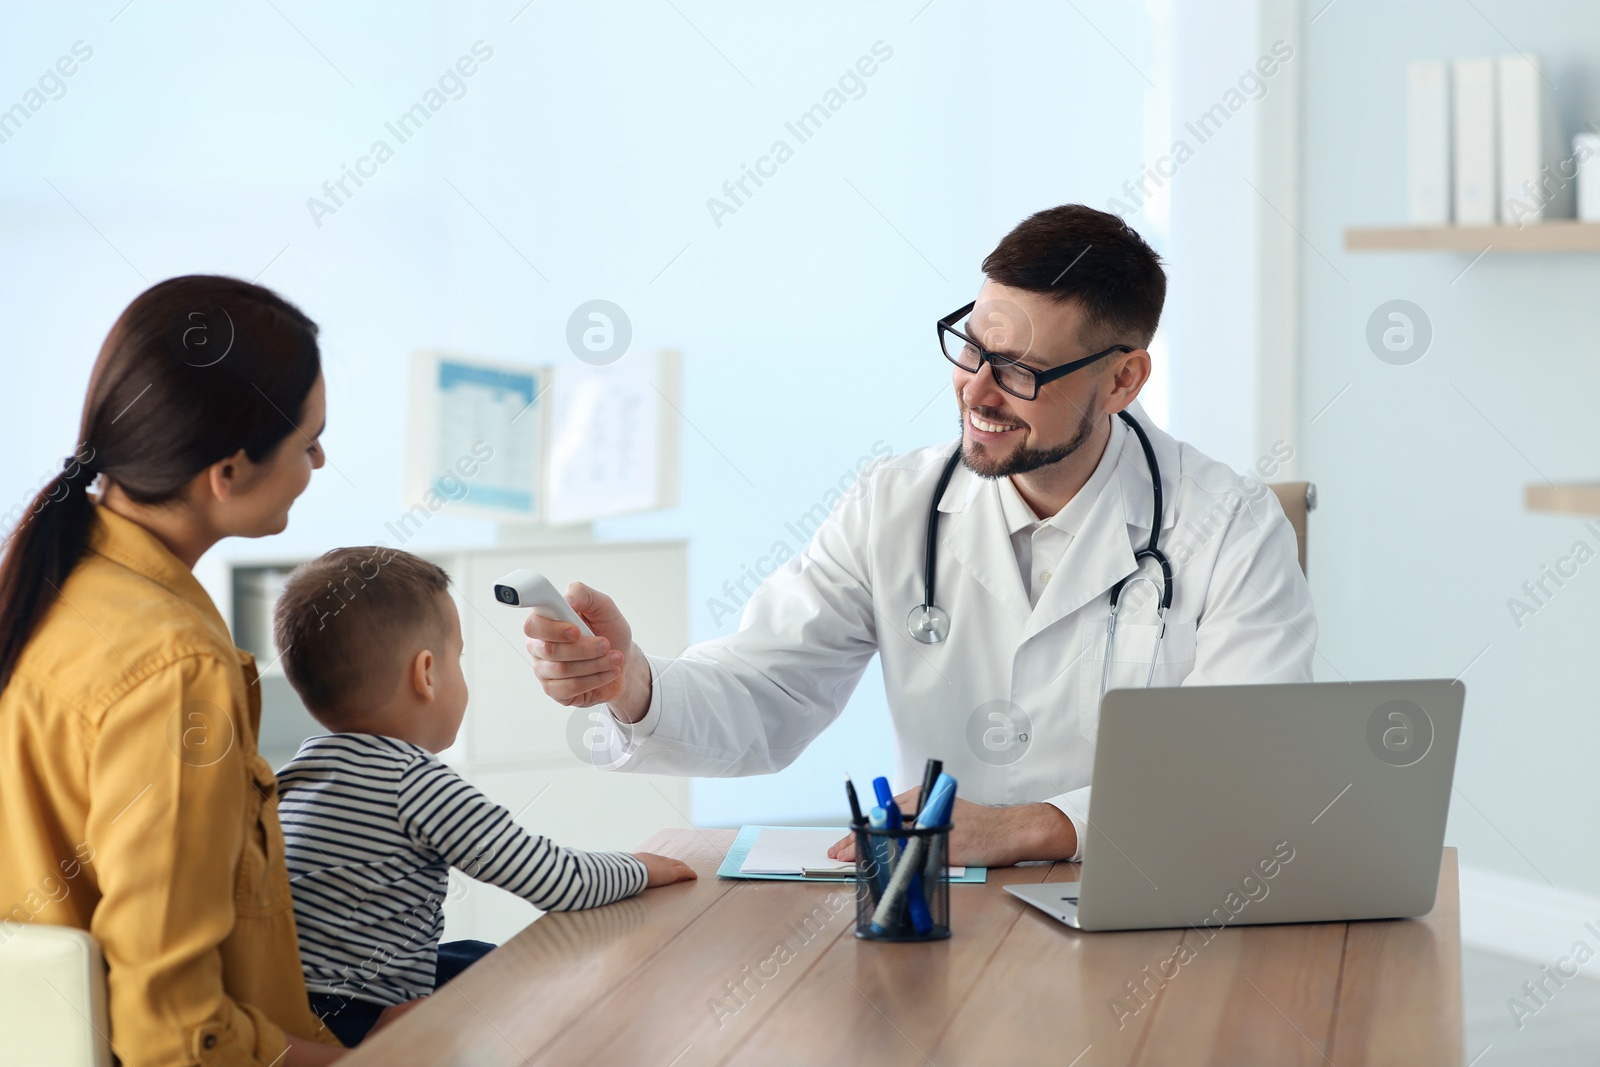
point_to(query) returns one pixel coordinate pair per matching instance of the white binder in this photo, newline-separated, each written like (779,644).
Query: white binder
(1586,161)
(1428,192)
(1476,143)
(1533,186)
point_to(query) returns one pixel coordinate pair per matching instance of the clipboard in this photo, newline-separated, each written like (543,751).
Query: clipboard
(740,849)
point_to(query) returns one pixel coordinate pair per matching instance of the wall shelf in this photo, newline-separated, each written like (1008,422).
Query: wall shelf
(1578,498)
(1557,235)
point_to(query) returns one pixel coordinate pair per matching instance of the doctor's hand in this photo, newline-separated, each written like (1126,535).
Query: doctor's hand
(578,671)
(982,836)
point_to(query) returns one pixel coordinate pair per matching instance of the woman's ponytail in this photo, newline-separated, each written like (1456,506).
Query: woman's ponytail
(41,551)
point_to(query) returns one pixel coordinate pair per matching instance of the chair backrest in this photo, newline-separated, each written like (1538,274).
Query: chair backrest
(52,997)
(1297,499)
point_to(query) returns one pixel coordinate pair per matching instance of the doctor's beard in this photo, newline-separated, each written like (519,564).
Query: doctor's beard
(1025,459)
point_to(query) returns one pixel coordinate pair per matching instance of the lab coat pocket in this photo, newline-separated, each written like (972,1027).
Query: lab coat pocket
(1131,654)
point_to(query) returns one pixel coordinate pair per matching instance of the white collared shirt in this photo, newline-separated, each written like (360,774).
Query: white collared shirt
(1040,544)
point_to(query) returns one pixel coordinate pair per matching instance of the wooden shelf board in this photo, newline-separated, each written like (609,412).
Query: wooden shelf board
(1580,498)
(1557,235)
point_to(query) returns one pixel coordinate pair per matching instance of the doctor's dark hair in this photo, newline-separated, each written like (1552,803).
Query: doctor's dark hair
(349,622)
(1073,252)
(194,370)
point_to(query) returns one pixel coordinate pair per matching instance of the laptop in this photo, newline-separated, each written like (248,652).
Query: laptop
(1218,806)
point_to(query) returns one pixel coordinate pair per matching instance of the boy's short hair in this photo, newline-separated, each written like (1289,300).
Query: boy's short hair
(347,622)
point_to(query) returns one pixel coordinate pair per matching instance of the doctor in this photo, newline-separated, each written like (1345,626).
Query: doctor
(999,669)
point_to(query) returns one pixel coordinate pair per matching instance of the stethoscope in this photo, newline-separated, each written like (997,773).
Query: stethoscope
(929,624)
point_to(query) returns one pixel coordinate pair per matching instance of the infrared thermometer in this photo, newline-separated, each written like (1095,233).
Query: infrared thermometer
(530,589)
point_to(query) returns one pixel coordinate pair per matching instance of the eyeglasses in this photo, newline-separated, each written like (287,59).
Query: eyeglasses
(1018,379)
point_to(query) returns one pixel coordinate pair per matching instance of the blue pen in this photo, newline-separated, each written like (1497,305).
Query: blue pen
(880,786)
(916,900)
(917,904)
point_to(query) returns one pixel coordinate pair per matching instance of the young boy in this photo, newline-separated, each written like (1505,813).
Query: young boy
(372,819)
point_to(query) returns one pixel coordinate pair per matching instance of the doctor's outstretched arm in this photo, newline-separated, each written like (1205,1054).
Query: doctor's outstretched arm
(748,702)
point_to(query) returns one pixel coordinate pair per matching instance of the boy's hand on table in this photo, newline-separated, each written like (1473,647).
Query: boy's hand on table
(664,870)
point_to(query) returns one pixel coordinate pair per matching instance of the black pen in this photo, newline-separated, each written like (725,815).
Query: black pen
(855,804)
(930,775)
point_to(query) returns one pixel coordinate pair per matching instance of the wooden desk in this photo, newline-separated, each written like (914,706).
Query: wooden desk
(694,974)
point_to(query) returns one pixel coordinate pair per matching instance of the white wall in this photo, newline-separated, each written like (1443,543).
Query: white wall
(1215,186)
(1209,321)
(1421,536)
(577,165)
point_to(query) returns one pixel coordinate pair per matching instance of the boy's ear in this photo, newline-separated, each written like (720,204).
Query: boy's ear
(422,674)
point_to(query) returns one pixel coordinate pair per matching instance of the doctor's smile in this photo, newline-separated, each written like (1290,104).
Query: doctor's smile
(990,427)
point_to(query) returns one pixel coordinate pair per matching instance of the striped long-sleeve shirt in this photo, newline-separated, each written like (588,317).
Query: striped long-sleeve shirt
(372,827)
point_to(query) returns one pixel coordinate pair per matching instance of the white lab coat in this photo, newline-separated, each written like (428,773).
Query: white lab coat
(750,702)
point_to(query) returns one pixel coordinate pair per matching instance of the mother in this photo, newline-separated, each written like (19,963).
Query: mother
(132,801)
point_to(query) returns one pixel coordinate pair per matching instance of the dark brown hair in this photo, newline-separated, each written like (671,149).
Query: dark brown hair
(195,369)
(1076,253)
(348,621)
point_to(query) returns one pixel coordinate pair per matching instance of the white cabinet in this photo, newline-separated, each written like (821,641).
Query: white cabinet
(514,743)
(572,805)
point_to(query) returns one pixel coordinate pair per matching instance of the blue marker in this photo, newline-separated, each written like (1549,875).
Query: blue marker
(881,857)
(936,804)
(935,813)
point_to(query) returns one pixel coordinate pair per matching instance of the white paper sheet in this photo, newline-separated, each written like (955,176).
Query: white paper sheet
(785,851)
(604,456)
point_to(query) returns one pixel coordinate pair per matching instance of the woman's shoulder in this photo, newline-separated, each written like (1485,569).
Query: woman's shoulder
(112,628)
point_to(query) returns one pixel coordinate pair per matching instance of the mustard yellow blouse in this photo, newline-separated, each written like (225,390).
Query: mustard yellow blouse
(133,805)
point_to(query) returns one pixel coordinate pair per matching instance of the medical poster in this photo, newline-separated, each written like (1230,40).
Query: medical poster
(475,439)
(479,406)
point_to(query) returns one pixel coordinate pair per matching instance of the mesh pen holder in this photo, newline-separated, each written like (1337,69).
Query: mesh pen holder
(915,880)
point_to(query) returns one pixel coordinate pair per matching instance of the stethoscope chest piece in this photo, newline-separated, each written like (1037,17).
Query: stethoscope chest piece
(928,624)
